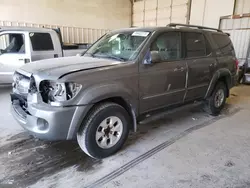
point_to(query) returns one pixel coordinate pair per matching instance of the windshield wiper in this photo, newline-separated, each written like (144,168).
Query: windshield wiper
(112,57)
(90,54)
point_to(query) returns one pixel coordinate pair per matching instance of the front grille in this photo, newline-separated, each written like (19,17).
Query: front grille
(19,100)
(19,109)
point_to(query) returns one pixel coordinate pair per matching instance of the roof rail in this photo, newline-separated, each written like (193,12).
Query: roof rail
(196,26)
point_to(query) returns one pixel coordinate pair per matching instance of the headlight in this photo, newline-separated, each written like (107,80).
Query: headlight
(58,92)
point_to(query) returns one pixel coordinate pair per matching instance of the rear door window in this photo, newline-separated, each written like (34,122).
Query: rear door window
(195,45)
(41,42)
(224,43)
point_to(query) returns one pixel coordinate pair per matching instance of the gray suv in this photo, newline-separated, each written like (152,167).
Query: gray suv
(129,73)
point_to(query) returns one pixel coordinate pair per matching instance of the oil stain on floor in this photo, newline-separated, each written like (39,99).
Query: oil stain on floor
(24,160)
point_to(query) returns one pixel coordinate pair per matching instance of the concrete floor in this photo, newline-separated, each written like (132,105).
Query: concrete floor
(187,148)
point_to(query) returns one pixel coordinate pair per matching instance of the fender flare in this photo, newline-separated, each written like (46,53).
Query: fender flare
(98,93)
(217,75)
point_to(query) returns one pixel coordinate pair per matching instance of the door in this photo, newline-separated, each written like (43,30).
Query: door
(13,54)
(42,46)
(162,84)
(201,65)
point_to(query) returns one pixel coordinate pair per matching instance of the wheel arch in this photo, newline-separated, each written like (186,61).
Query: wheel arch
(100,94)
(223,75)
(126,105)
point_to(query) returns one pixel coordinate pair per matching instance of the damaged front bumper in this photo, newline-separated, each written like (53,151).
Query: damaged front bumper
(42,120)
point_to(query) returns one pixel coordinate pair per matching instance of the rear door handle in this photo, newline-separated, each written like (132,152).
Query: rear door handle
(218,53)
(181,69)
(213,65)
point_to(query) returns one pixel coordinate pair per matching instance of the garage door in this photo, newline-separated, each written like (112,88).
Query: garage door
(159,12)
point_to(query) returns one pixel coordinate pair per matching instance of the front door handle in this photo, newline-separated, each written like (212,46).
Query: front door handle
(26,60)
(181,69)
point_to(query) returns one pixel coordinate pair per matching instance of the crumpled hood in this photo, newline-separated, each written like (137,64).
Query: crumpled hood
(60,66)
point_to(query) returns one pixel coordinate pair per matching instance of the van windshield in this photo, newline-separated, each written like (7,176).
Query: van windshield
(120,46)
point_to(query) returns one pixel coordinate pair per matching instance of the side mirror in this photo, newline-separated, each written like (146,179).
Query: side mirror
(155,57)
(152,57)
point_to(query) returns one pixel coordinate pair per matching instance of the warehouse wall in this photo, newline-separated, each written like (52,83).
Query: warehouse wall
(239,29)
(159,12)
(104,14)
(208,12)
(242,6)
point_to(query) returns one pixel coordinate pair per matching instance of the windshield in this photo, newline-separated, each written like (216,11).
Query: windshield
(120,46)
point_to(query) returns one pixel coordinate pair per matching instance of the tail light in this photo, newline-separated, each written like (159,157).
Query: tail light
(237,63)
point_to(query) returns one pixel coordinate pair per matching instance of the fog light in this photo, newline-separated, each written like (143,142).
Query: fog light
(42,124)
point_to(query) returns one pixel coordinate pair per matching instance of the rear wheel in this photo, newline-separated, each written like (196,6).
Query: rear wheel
(104,131)
(217,100)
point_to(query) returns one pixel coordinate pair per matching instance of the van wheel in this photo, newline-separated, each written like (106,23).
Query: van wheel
(217,100)
(104,131)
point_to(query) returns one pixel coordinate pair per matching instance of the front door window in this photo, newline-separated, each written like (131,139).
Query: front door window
(12,43)
(168,46)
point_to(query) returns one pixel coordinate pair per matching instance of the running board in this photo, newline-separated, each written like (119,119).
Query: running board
(160,114)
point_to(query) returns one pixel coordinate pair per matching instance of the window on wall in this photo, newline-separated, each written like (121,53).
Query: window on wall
(41,41)
(195,45)
(168,45)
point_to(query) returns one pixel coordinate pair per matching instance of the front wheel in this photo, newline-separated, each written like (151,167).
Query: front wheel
(104,130)
(217,100)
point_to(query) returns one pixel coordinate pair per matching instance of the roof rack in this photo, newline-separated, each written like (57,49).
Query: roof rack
(196,26)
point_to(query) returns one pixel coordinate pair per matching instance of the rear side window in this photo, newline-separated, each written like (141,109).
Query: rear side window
(41,41)
(195,45)
(224,43)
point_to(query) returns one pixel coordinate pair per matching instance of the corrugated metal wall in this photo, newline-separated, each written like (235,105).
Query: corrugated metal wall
(242,6)
(159,12)
(69,34)
(239,29)
(208,12)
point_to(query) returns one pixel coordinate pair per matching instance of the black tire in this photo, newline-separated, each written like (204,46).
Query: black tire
(210,106)
(86,135)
